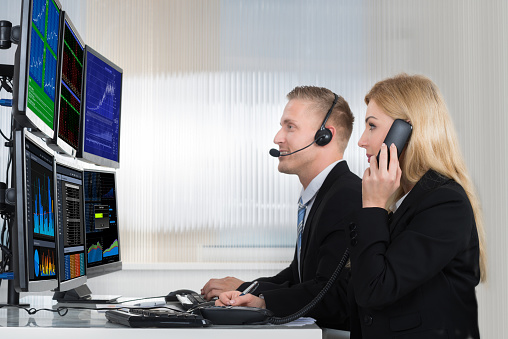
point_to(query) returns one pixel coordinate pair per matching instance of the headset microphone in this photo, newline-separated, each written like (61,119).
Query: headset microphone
(323,135)
(276,153)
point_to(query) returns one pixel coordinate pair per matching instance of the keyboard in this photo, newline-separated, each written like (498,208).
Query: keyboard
(159,317)
(193,300)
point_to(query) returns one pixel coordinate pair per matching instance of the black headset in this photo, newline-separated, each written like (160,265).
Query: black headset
(324,135)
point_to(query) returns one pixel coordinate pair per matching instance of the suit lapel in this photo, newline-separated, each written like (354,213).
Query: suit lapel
(335,173)
(427,183)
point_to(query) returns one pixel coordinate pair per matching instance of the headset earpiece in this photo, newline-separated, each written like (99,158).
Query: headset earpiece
(324,135)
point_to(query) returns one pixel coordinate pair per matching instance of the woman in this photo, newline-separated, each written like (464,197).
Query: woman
(417,249)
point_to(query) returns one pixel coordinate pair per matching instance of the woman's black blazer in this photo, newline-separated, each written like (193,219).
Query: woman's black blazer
(413,273)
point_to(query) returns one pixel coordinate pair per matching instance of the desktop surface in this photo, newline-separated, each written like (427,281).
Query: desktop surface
(17,323)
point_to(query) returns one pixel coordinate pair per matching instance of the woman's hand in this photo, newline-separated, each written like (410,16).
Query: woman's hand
(234,298)
(380,182)
(214,287)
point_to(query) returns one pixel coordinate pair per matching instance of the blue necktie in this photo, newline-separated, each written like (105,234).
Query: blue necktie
(302,208)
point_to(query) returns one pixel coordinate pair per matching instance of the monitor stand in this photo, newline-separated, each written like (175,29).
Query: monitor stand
(13,296)
(83,295)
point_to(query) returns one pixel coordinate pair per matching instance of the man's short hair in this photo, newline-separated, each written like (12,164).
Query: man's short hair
(341,117)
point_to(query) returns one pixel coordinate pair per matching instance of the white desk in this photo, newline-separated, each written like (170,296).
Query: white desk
(91,324)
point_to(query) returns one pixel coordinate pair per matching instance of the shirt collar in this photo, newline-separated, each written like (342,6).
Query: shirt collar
(310,192)
(398,203)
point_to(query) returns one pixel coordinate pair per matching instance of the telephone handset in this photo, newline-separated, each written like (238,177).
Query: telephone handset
(399,135)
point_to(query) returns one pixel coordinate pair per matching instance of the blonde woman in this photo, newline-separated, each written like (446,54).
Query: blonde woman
(417,248)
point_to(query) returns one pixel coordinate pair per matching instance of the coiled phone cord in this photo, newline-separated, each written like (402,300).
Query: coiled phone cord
(317,298)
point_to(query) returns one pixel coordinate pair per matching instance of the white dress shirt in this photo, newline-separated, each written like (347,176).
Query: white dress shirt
(308,195)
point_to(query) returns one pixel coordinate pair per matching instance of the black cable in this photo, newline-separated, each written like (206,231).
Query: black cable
(9,228)
(6,247)
(317,298)
(7,252)
(4,136)
(6,83)
(11,151)
(4,229)
(63,310)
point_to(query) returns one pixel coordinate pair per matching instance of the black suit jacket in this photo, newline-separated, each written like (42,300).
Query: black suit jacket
(414,273)
(323,243)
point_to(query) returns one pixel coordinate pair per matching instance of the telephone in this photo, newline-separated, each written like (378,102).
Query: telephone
(399,135)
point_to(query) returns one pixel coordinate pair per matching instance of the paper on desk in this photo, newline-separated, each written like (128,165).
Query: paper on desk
(301,321)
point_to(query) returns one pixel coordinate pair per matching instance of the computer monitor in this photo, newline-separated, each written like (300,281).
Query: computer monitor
(101,249)
(101,223)
(33,236)
(100,118)
(71,230)
(36,60)
(70,81)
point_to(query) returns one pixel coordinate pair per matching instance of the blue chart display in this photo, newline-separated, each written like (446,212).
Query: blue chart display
(50,77)
(42,201)
(36,262)
(39,215)
(44,222)
(112,250)
(110,194)
(95,253)
(36,58)
(102,116)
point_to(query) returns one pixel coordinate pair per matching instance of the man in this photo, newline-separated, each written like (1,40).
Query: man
(330,194)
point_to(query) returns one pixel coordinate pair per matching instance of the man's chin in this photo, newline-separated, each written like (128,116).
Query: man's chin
(285,169)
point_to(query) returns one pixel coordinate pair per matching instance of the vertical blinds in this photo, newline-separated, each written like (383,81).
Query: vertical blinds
(205,86)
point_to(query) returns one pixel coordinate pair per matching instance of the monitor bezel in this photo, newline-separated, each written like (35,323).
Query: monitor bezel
(76,282)
(22,265)
(96,271)
(56,143)
(24,115)
(82,154)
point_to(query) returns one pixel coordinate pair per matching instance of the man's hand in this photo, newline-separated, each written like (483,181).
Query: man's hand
(214,287)
(234,298)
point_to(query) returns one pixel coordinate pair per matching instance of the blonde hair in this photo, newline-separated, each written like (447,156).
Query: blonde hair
(341,117)
(433,143)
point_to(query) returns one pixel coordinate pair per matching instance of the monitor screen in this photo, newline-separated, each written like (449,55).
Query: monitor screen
(36,60)
(101,223)
(71,232)
(67,121)
(34,237)
(102,98)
